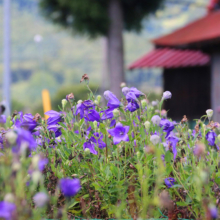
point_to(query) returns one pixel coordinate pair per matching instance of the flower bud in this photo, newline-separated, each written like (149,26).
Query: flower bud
(155,139)
(9,197)
(138,155)
(95,123)
(116,112)
(87,151)
(144,103)
(123,84)
(164,113)
(70,97)
(64,102)
(11,137)
(35,161)
(41,199)
(156,120)
(209,113)
(79,101)
(218,137)
(167,95)
(96,102)
(99,98)
(36,176)
(189,131)
(147,125)
(16,166)
(154,103)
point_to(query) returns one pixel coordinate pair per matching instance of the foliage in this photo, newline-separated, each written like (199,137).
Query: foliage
(130,159)
(92,19)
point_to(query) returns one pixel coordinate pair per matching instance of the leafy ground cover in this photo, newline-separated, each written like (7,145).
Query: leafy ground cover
(124,160)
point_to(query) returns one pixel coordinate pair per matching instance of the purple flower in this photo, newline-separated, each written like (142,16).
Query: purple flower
(172,140)
(113,122)
(93,115)
(90,146)
(169,182)
(6,210)
(113,101)
(2,119)
(56,129)
(26,137)
(132,106)
(25,121)
(83,107)
(42,163)
(70,187)
(125,90)
(210,137)
(213,211)
(97,139)
(40,199)
(54,117)
(107,114)
(167,95)
(194,134)
(119,133)
(131,97)
(167,126)
(136,92)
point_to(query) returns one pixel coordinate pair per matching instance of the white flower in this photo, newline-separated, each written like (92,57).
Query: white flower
(123,84)
(156,120)
(41,199)
(209,113)
(167,95)
(155,139)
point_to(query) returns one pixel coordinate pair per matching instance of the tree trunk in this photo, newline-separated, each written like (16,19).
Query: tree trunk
(115,47)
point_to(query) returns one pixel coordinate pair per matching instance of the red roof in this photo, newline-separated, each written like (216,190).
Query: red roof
(206,28)
(171,58)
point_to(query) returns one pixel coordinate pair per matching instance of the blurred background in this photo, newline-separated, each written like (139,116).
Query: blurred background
(47,55)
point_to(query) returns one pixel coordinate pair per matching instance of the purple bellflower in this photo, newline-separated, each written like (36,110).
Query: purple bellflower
(97,139)
(169,182)
(107,114)
(42,163)
(91,146)
(54,117)
(6,210)
(119,133)
(83,108)
(26,137)
(131,97)
(172,141)
(210,137)
(70,187)
(167,126)
(93,115)
(136,92)
(56,129)
(132,106)
(2,119)
(113,101)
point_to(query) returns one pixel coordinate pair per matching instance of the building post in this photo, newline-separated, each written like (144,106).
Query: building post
(7,70)
(215,86)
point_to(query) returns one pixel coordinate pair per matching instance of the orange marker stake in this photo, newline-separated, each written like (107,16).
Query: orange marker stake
(46,102)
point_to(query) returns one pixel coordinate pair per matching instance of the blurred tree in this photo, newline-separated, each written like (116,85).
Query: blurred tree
(102,18)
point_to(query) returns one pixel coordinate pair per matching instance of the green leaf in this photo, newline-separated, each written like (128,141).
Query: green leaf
(102,128)
(182,203)
(168,157)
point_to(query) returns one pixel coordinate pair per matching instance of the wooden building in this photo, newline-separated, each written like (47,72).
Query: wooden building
(190,58)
